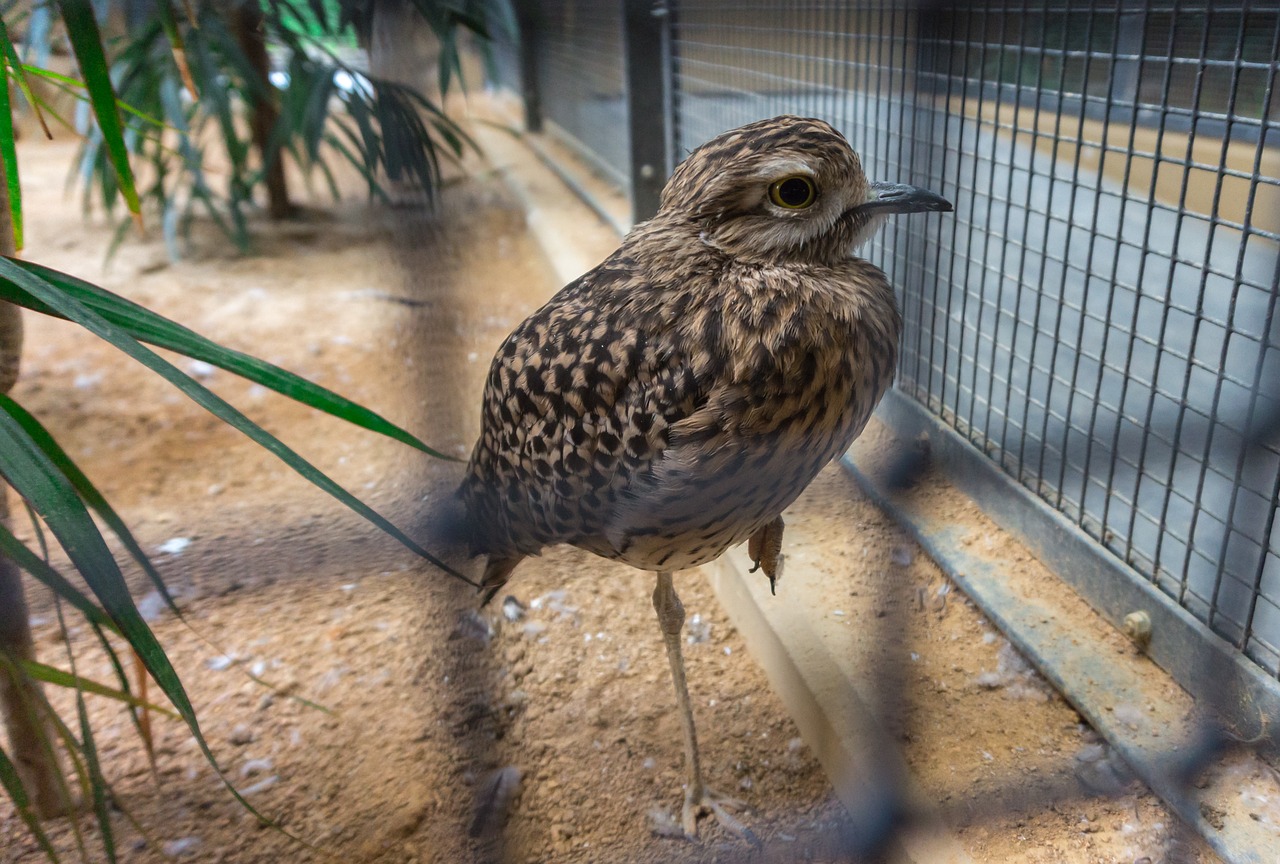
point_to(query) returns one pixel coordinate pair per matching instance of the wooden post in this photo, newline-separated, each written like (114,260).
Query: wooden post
(21,702)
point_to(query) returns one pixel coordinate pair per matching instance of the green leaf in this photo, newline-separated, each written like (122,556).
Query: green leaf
(9,154)
(72,87)
(44,573)
(17,793)
(86,42)
(37,479)
(18,70)
(61,678)
(97,782)
(88,492)
(47,295)
(147,326)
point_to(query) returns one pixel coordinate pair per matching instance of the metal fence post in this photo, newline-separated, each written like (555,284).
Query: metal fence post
(528,25)
(646,41)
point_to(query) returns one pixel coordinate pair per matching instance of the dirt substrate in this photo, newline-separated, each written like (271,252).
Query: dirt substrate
(393,710)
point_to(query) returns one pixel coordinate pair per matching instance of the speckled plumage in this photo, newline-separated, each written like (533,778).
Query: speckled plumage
(674,400)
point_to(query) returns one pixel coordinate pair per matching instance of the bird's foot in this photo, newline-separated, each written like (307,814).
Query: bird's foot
(700,799)
(765,549)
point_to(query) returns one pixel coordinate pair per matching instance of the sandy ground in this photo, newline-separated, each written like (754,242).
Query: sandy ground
(423,705)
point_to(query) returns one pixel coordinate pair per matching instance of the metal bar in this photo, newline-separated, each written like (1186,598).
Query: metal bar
(529,23)
(1132,30)
(1144,440)
(645,43)
(1197,318)
(1133,27)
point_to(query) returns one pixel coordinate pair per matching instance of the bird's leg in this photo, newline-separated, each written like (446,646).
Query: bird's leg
(698,798)
(765,549)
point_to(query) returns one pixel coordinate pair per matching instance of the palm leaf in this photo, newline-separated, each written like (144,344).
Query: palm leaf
(147,326)
(29,561)
(37,479)
(87,492)
(86,43)
(19,76)
(17,793)
(43,293)
(62,678)
(9,157)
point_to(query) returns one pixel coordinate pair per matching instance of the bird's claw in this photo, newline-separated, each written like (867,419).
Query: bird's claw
(697,802)
(773,578)
(765,549)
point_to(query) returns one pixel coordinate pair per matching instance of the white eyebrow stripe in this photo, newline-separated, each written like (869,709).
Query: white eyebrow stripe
(778,167)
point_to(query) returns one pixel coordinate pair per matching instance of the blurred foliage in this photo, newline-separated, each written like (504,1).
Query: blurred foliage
(191,89)
(178,88)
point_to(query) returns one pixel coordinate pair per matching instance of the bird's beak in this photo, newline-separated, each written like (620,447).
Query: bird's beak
(888,198)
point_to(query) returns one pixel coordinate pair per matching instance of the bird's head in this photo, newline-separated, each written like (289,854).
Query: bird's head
(785,188)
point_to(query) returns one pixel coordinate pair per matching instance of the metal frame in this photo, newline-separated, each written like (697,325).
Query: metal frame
(1098,321)
(647,39)
(1198,659)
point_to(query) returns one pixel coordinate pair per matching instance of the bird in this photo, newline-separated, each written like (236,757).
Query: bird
(673,401)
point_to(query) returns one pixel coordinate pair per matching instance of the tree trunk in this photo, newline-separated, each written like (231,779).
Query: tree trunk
(21,702)
(247,23)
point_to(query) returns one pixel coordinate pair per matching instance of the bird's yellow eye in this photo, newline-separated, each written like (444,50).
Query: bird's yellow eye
(793,193)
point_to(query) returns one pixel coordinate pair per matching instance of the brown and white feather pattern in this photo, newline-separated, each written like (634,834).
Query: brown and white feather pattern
(674,400)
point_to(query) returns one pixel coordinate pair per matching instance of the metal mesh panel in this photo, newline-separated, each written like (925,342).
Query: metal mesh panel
(578,48)
(1098,316)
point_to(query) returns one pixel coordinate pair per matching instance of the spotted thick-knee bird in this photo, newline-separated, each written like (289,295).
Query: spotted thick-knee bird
(673,401)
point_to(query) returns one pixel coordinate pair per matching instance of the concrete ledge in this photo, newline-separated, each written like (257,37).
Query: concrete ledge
(1130,701)
(860,758)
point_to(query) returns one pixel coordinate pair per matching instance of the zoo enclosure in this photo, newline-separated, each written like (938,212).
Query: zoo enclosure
(1097,319)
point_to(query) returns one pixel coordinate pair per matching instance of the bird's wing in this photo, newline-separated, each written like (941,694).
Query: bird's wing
(577,408)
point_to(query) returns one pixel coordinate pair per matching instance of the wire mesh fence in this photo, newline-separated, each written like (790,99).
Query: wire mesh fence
(579,68)
(1103,321)
(1099,317)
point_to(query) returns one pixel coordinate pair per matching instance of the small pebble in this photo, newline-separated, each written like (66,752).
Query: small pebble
(201,369)
(255,766)
(699,630)
(901,556)
(512,609)
(220,663)
(182,846)
(152,606)
(663,824)
(241,735)
(1129,715)
(174,546)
